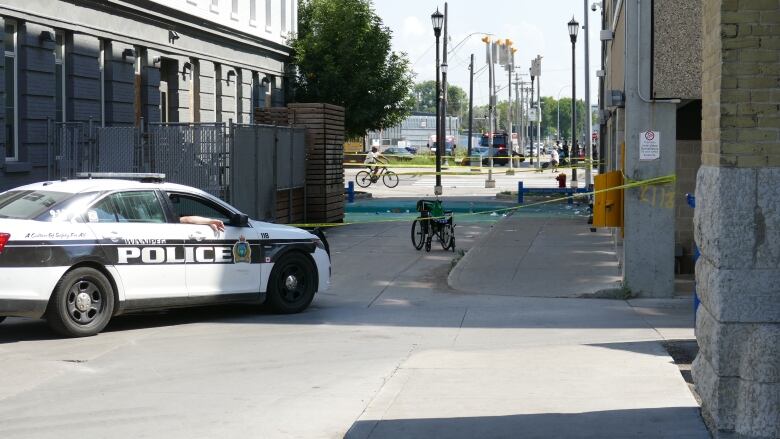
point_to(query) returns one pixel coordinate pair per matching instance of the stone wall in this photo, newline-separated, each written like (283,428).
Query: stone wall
(737,220)
(676,49)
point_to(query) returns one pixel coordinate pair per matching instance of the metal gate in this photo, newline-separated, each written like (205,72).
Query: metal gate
(81,147)
(194,154)
(191,154)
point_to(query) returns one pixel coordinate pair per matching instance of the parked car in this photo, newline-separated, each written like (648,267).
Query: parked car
(412,149)
(397,153)
(78,252)
(500,157)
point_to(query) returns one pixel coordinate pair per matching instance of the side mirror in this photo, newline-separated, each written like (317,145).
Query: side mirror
(239,220)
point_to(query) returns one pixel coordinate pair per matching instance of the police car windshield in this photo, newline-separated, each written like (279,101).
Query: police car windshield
(29,204)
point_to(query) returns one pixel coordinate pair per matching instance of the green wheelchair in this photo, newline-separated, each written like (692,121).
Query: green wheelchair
(433,222)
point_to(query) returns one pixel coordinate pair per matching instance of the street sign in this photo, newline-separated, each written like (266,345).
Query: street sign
(649,145)
(533,115)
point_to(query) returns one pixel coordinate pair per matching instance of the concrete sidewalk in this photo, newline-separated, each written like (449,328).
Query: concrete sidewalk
(539,257)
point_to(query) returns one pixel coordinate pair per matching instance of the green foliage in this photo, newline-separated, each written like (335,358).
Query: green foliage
(343,56)
(457,99)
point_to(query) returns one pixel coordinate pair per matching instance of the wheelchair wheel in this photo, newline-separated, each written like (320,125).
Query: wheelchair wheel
(428,243)
(418,234)
(447,236)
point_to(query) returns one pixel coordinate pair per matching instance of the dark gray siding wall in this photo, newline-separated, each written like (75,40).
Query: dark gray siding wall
(207,87)
(179,85)
(226,94)
(2,103)
(36,92)
(245,95)
(82,84)
(119,84)
(150,88)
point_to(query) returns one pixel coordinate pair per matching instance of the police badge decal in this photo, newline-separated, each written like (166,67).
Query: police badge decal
(242,252)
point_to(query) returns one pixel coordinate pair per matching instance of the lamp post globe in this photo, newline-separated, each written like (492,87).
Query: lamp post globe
(573,26)
(437,20)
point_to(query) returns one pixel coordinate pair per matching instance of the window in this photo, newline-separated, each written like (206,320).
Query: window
(59,77)
(189,205)
(138,207)
(283,11)
(268,15)
(102,212)
(29,204)
(11,93)
(215,6)
(253,12)
(234,10)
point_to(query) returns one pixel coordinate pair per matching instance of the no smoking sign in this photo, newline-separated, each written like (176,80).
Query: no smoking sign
(649,145)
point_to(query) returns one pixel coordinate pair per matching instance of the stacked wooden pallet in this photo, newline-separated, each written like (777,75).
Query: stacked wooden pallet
(290,211)
(324,125)
(271,116)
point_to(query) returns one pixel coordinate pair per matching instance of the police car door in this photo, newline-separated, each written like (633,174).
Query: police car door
(223,259)
(144,247)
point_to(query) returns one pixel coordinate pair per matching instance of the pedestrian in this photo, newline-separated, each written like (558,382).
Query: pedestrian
(554,159)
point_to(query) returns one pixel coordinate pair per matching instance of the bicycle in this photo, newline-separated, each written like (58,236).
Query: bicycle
(389,178)
(433,221)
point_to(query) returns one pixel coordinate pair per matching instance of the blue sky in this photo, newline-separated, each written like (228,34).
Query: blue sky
(536,27)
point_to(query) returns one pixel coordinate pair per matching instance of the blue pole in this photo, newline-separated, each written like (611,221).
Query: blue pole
(351,192)
(520,192)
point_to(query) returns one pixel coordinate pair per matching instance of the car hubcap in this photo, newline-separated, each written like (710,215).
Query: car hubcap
(84,302)
(291,283)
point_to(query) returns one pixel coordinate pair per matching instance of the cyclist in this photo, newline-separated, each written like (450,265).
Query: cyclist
(373,157)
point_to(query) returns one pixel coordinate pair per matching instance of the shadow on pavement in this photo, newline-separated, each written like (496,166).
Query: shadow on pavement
(655,423)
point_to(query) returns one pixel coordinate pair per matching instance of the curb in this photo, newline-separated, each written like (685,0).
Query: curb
(458,268)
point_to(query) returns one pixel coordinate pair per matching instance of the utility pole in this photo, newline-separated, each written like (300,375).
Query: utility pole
(518,84)
(490,183)
(530,106)
(471,104)
(509,68)
(588,114)
(539,109)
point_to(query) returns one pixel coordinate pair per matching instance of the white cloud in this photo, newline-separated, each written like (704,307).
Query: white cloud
(412,28)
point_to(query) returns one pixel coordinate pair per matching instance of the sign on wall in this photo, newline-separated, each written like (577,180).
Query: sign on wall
(649,145)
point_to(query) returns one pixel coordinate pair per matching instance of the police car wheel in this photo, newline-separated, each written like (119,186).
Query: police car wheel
(82,303)
(292,284)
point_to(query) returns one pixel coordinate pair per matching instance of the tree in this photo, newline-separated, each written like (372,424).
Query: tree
(343,56)
(457,100)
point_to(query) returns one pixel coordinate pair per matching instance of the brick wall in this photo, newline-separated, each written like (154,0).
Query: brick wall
(741,76)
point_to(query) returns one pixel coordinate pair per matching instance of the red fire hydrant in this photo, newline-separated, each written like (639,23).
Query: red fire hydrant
(561,180)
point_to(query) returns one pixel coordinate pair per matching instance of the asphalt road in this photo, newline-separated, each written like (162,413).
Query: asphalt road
(389,352)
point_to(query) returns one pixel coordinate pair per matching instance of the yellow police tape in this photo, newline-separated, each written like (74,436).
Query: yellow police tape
(666,179)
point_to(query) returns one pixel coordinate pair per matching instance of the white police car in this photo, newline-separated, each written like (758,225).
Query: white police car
(78,252)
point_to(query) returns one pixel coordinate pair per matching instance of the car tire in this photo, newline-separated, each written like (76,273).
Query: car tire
(291,285)
(82,303)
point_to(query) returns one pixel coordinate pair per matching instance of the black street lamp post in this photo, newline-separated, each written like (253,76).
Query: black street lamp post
(573,28)
(437,19)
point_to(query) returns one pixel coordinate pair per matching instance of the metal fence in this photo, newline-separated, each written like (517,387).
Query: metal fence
(192,154)
(195,154)
(267,159)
